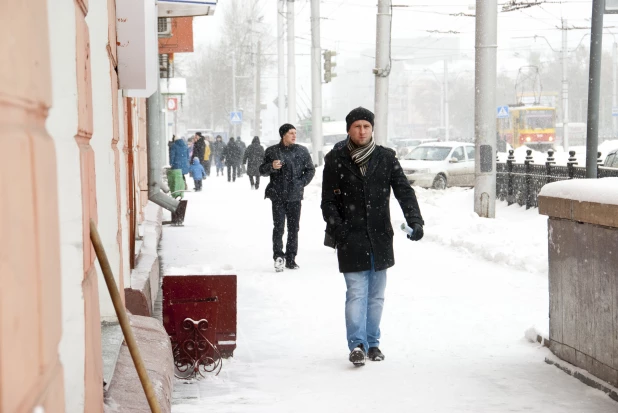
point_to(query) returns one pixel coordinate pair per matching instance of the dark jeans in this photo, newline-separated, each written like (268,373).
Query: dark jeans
(198,184)
(257,181)
(206,165)
(281,212)
(231,172)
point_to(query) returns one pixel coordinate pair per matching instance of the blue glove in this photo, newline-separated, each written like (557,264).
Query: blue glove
(418,232)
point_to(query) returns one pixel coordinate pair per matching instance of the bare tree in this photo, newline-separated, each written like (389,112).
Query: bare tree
(209,72)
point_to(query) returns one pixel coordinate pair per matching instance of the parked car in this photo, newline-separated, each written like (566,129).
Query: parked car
(440,164)
(405,146)
(611,161)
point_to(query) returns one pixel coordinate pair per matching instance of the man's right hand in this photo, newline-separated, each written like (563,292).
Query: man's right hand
(277,164)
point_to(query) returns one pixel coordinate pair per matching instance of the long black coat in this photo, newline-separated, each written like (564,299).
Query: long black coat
(356,207)
(254,156)
(231,154)
(199,147)
(287,183)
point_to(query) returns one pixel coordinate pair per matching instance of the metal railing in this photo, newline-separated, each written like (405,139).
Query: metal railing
(520,183)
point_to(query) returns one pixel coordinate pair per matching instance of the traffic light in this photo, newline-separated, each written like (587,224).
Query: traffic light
(329,65)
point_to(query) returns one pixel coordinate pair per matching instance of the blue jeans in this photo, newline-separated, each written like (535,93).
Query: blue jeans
(363,306)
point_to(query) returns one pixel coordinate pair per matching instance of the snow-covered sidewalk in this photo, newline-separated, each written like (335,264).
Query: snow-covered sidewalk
(457,306)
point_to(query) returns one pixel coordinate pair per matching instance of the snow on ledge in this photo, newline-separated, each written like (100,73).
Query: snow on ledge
(602,191)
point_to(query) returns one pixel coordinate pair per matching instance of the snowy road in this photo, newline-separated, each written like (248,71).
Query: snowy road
(457,305)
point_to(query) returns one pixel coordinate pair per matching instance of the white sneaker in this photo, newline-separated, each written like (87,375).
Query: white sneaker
(279,264)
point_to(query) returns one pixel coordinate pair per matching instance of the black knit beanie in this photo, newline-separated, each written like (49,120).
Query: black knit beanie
(359,113)
(285,128)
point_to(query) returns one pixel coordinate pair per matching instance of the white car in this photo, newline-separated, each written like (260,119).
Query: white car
(440,164)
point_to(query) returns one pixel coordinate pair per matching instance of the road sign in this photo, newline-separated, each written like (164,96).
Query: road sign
(503,112)
(172,104)
(236,117)
(615,111)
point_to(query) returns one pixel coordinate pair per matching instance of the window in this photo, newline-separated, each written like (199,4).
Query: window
(470,151)
(610,159)
(459,154)
(615,163)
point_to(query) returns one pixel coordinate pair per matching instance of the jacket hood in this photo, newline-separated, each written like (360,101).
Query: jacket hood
(196,161)
(180,143)
(256,140)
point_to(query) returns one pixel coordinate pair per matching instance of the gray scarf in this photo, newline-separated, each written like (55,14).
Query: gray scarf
(361,154)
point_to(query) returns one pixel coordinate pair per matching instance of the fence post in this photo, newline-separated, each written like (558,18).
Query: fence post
(571,164)
(599,164)
(548,165)
(528,170)
(509,180)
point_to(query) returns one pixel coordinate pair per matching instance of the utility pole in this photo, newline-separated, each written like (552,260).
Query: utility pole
(234,89)
(485,108)
(258,103)
(614,79)
(594,87)
(291,64)
(565,89)
(281,64)
(382,71)
(316,84)
(447,133)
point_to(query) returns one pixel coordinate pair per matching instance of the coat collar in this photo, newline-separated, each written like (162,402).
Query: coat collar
(346,158)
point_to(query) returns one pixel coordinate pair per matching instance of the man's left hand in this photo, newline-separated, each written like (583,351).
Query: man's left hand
(417,233)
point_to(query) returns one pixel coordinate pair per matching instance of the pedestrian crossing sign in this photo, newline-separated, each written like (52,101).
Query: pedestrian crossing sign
(503,112)
(236,117)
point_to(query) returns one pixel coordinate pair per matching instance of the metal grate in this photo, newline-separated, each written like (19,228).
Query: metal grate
(166,66)
(164,24)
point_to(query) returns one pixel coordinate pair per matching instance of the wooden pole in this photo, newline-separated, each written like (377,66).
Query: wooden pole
(123,319)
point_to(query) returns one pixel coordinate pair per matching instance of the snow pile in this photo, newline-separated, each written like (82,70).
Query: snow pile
(516,237)
(603,191)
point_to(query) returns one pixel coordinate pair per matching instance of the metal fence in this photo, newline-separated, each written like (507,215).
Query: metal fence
(519,183)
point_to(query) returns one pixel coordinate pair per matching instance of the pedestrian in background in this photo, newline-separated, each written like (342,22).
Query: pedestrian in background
(290,169)
(179,162)
(243,148)
(207,154)
(253,157)
(231,156)
(217,151)
(356,190)
(197,172)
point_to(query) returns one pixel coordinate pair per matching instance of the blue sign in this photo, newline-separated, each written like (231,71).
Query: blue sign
(614,111)
(503,112)
(236,117)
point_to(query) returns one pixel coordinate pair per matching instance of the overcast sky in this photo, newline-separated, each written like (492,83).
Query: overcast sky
(349,27)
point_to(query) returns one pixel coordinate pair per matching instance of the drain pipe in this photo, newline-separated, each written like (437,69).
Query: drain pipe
(154,150)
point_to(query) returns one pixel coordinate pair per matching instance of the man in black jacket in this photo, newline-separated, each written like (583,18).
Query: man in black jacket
(199,148)
(290,169)
(231,156)
(356,188)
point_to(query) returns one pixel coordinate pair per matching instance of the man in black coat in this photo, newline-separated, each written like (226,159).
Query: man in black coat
(356,189)
(253,157)
(231,156)
(199,148)
(290,169)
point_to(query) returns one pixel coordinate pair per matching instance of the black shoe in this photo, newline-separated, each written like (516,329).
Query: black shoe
(257,186)
(357,356)
(291,265)
(375,354)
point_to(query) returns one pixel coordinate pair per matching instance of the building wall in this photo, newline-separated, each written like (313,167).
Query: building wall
(104,144)
(30,275)
(62,125)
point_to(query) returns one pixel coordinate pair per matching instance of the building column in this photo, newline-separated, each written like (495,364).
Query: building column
(30,276)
